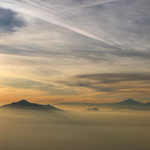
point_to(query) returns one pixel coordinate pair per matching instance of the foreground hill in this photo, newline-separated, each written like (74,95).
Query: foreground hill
(24,104)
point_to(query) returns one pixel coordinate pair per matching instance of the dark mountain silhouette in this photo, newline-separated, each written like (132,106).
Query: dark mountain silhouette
(148,103)
(24,104)
(129,101)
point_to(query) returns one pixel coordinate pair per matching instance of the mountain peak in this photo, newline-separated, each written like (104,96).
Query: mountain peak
(129,101)
(23,101)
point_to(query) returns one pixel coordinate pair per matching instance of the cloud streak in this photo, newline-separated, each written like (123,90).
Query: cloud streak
(112,83)
(112,78)
(48,14)
(105,24)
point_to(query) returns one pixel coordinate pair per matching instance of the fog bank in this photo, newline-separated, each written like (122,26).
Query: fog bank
(109,130)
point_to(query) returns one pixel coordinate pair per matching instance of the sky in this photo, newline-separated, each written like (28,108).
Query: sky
(54,51)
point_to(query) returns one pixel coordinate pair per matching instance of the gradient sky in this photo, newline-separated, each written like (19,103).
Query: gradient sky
(53,51)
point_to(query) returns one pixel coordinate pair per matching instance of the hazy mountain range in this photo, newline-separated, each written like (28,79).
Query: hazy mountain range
(128,103)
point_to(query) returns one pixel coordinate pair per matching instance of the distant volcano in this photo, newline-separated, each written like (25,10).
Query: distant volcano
(24,104)
(129,101)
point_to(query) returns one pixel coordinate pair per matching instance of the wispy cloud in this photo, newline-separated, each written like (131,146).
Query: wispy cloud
(49,14)
(112,83)
(112,78)
(103,22)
